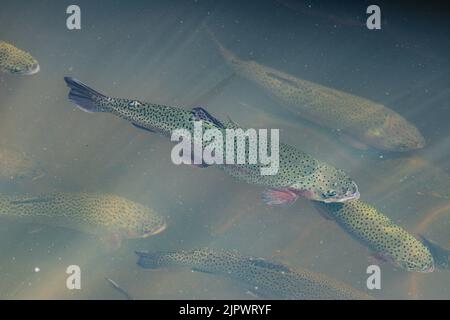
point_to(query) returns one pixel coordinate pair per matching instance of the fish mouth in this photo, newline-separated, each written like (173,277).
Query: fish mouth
(428,269)
(421,145)
(405,148)
(34,69)
(425,269)
(355,196)
(157,231)
(347,197)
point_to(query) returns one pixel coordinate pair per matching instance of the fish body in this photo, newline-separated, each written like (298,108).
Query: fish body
(358,120)
(299,174)
(262,277)
(91,213)
(16,61)
(380,234)
(440,255)
(16,165)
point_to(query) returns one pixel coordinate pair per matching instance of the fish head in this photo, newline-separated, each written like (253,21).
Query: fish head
(417,258)
(17,61)
(327,184)
(421,263)
(395,134)
(414,257)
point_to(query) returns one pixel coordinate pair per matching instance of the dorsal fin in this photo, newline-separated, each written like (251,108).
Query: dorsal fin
(200,113)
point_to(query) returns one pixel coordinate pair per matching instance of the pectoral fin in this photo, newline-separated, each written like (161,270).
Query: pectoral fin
(282,197)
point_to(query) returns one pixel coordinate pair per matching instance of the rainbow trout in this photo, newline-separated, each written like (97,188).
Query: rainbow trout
(96,214)
(263,278)
(360,121)
(299,174)
(16,165)
(440,255)
(16,61)
(382,236)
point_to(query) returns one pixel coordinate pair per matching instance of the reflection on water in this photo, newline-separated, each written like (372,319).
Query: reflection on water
(160,52)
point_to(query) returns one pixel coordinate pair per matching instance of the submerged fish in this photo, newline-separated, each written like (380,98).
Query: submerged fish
(97,214)
(358,120)
(263,278)
(440,255)
(16,165)
(16,61)
(380,234)
(299,174)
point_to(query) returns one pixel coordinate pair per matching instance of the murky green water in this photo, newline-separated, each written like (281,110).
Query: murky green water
(159,52)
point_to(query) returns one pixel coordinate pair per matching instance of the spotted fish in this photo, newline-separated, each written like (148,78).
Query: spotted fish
(380,234)
(299,174)
(16,165)
(357,120)
(16,61)
(103,215)
(441,255)
(262,277)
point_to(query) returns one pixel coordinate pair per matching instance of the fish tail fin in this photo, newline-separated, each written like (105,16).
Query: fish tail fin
(227,54)
(150,260)
(83,96)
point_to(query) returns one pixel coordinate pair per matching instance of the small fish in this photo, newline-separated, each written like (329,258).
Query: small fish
(16,61)
(16,165)
(380,234)
(357,120)
(440,255)
(299,174)
(264,278)
(97,214)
